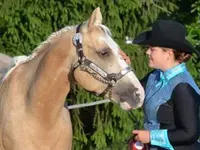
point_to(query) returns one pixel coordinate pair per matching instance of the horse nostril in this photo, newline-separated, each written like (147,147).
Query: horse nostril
(137,94)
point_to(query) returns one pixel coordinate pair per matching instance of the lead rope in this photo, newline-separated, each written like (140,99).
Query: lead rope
(87,104)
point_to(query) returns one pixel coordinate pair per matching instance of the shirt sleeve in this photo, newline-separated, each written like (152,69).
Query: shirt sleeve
(160,138)
(186,115)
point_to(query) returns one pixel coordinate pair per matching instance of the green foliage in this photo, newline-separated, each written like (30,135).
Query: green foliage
(193,28)
(26,23)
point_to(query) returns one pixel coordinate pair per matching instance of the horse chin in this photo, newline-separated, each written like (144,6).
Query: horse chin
(125,106)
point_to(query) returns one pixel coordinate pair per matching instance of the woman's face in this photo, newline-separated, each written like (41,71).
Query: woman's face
(157,57)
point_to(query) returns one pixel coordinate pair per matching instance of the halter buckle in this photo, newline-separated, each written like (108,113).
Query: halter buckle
(113,82)
(77,38)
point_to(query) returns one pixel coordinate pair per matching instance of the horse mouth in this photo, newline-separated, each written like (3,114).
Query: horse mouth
(128,101)
(125,106)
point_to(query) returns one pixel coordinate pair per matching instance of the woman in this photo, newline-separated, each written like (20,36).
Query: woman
(171,106)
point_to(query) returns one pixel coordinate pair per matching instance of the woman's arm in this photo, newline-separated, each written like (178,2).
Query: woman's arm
(186,118)
(186,115)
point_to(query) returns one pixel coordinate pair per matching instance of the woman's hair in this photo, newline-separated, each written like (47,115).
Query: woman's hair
(180,56)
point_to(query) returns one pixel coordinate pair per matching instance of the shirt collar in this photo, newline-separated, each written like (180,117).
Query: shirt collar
(172,72)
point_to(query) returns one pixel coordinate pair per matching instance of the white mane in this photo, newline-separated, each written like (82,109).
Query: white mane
(53,36)
(16,61)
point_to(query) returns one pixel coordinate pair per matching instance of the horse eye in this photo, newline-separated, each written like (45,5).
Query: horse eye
(103,53)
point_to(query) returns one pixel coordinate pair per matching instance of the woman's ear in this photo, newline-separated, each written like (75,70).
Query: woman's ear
(170,53)
(125,57)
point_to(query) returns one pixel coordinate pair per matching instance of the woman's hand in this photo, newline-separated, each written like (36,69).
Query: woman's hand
(125,57)
(142,135)
(130,143)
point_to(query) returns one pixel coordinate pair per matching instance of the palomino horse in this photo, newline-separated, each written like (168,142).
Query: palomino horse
(33,92)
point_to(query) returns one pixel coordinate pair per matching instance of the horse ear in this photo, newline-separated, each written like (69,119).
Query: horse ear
(95,18)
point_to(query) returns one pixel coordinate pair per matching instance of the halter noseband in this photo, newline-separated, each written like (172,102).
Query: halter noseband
(93,69)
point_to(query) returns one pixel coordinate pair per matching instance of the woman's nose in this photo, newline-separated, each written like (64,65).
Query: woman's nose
(148,51)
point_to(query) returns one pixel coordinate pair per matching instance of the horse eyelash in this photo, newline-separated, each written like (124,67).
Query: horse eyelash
(104,52)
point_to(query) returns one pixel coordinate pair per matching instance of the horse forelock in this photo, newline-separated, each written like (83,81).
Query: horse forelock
(105,29)
(108,39)
(113,45)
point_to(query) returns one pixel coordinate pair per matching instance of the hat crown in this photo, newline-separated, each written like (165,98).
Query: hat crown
(166,33)
(169,29)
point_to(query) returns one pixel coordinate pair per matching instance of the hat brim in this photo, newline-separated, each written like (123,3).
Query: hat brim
(145,38)
(142,38)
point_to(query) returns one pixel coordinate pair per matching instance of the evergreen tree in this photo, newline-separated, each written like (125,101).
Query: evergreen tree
(26,23)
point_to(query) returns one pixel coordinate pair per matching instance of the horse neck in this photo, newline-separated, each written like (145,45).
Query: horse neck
(51,82)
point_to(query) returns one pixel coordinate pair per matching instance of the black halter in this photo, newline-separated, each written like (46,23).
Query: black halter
(93,69)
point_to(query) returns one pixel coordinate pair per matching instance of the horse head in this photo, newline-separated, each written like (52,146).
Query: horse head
(99,67)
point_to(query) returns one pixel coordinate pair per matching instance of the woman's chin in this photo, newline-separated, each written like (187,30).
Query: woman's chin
(150,65)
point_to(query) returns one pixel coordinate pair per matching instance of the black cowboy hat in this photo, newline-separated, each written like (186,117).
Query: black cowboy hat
(166,33)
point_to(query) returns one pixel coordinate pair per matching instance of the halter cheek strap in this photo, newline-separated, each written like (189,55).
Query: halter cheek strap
(93,69)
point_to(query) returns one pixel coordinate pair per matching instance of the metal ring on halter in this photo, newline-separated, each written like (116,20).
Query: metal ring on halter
(77,38)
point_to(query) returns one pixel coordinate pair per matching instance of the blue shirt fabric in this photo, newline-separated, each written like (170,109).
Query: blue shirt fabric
(158,91)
